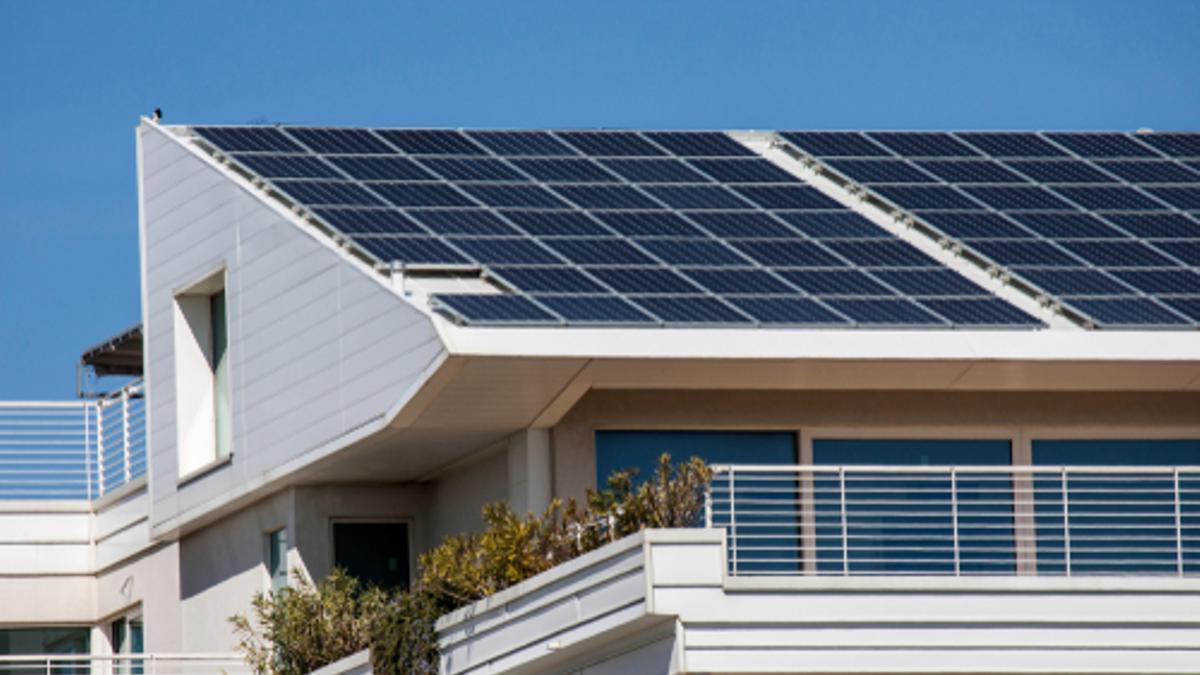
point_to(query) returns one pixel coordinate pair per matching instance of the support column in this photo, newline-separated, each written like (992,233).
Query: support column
(530,475)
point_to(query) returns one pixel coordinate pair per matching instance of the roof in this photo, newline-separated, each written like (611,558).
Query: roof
(1012,230)
(120,354)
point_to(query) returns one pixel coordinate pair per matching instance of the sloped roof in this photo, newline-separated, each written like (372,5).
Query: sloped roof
(799,229)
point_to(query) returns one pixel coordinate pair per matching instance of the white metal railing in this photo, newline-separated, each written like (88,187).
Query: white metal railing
(72,449)
(958,520)
(123,664)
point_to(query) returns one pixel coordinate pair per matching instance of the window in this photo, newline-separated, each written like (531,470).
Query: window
(1126,522)
(203,391)
(128,638)
(374,553)
(277,563)
(62,640)
(904,523)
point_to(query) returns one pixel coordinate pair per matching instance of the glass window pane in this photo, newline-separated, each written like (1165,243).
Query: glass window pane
(222,411)
(277,566)
(374,553)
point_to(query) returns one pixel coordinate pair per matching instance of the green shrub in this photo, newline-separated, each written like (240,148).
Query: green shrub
(304,628)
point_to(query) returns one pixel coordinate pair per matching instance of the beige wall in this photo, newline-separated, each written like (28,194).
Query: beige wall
(460,492)
(1017,415)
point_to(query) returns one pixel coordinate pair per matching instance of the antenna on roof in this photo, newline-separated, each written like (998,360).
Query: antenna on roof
(157,114)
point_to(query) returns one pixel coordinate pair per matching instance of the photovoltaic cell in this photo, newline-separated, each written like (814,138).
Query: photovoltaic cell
(930,282)
(556,223)
(1117,253)
(881,253)
(606,197)
(739,282)
(1189,307)
(1007,144)
(1175,145)
(885,312)
(1108,198)
(471,169)
(693,252)
(788,253)
(565,170)
(548,280)
(741,225)
(833,224)
(515,196)
(1018,198)
(743,171)
(608,309)
(1025,253)
(328,193)
(1077,281)
(421,194)
(496,308)
(599,252)
(464,221)
(413,250)
(1101,145)
(1185,250)
(974,225)
(1061,171)
(648,224)
(370,221)
(926,197)
(248,139)
(980,312)
(1187,198)
(970,171)
(690,309)
(1151,171)
(1156,225)
(521,143)
(796,311)
(697,197)
(845,282)
(921,144)
(382,168)
(1162,282)
(431,142)
(340,141)
(699,144)
(1067,225)
(787,197)
(654,171)
(288,166)
(610,143)
(644,280)
(1128,311)
(505,251)
(835,144)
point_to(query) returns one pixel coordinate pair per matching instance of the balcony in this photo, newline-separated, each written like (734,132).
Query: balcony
(958,521)
(72,450)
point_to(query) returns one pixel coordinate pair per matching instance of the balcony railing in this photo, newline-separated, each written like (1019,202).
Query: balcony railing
(72,449)
(123,664)
(964,520)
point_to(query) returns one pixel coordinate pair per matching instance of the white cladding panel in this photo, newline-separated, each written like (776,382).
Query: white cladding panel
(317,347)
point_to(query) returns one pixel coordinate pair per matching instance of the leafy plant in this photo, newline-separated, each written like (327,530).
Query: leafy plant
(302,628)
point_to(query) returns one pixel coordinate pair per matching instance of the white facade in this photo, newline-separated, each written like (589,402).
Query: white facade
(353,402)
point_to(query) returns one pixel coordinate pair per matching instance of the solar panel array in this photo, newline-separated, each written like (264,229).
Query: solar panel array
(611,227)
(1106,223)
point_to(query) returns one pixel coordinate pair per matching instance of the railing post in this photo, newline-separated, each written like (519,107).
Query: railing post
(732,525)
(100,448)
(1178,527)
(954,516)
(845,529)
(708,506)
(1066,520)
(125,439)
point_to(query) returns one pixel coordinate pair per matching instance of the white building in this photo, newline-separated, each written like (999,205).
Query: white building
(952,382)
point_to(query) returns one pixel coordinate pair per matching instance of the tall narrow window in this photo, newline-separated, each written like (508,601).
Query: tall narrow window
(277,566)
(203,392)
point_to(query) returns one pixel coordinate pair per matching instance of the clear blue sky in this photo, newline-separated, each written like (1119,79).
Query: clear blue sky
(75,77)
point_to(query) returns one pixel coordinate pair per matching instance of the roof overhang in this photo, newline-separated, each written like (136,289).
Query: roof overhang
(120,354)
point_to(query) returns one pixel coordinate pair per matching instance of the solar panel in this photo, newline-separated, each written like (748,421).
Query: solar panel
(473,168)
(1061,171)
(788,253)
(787,197)
(885,312)
(930,283)
(1101,145)
(548,279)
(1025,253)
(881,253)
(248,139)
(611,143)
(1189,306)
(1128,311)
(556,223)
(565,170)
(845,282)
(834,224)
(421,194)
(1162,281)
(794,311)
(1175,145)
(382,168)
(971,171)
(495,308)
(1018,198)
(922,144)
(926,198)
(685,252)
(1075,282)
(739,281)
(464,221)
(975,225)
(644,280)
(515,196)
(699,144)
(606,197)
(690,309)
(340,141)
(1184,250)
(1187,198)
(521,143)
(1117,253)
(880,171)
(697,197)
(1150,171)
(743,171)
(1011,144)
(288,166)
(608,309)
(599,252)
(835,144)
(1064,225)
(505,251)
(331,193)
(370,221)
(654,171)
(1156,225)
(741,225)
(1108,198)
(412,250)
(648,224)
(431,142)
(980,312)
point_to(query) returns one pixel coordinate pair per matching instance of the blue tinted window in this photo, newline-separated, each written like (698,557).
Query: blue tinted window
(1118,523)
(904,523)
(617,450)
